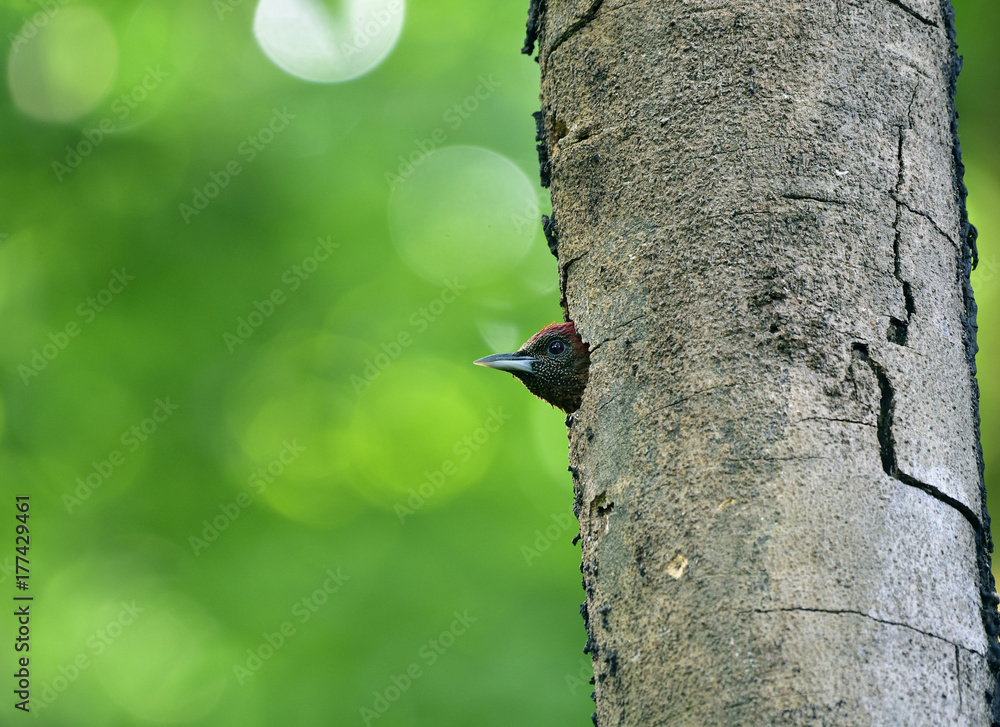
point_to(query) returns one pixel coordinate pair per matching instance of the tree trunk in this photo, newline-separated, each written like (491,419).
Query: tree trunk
(760,222)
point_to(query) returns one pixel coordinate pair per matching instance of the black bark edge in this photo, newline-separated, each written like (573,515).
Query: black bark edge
(968,260)
(535,10)
(551,233)
(541,146)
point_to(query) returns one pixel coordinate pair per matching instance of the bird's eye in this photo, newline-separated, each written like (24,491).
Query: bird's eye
(556,347)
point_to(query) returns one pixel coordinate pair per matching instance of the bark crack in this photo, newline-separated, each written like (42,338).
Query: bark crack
(910,11)
(835,419)
(804,457)
(616,8)
(563,278)
(576,135)
(615,328)
(572,260)
(601,406)
(682,399)
(814,198)
(926,216)
(899,329)
(575,27)
(747,149)
(852,612)
(887,442)
(958,678)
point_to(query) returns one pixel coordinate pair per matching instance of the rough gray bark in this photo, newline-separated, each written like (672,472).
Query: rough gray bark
(759,217)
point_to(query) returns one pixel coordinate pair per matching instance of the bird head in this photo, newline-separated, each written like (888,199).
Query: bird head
(554,364)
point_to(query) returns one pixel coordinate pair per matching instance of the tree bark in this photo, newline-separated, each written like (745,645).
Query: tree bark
(759,216)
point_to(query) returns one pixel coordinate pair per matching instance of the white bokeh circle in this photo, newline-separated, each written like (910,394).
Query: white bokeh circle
(62,63)
(463,211)
(316,41)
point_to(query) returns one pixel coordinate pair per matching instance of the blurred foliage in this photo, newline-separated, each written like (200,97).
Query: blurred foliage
(978,103)
(267,486)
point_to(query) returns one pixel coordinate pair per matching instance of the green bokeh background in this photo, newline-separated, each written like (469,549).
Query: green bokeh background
(258,555)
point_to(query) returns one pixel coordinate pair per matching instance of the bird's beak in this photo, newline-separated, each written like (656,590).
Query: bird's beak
(508,362)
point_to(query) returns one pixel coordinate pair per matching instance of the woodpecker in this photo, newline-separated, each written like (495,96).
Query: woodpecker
(554,364)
